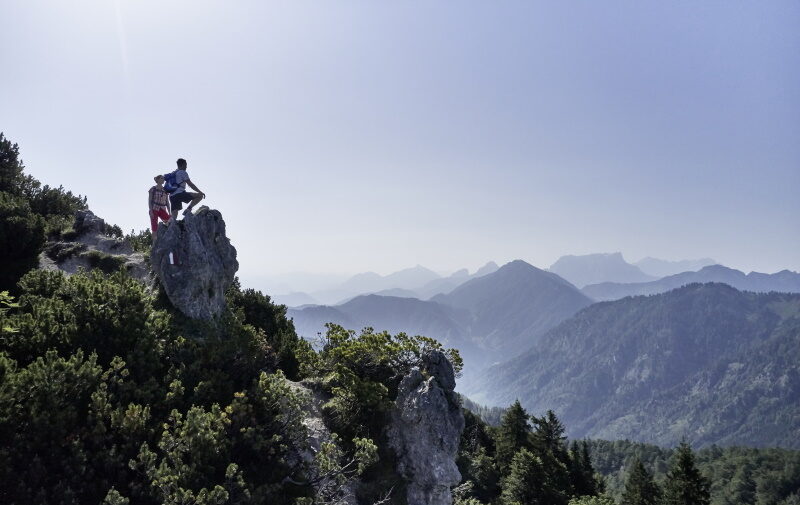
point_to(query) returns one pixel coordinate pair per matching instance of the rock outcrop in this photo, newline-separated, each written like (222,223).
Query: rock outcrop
(425,430)
(195,262)
(92,244)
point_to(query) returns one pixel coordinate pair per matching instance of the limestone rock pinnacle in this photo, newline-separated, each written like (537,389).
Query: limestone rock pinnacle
(195,262)
(425,431)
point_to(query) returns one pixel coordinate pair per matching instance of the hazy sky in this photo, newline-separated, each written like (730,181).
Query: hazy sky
(345,136)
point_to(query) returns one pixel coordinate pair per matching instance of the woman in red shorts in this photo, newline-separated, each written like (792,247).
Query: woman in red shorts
(158,203)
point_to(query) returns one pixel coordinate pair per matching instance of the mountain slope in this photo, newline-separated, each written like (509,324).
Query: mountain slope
(596,268)
(784,281)
(511,307)
(699,362)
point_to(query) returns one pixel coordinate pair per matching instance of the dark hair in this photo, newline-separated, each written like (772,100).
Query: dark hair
(181,163)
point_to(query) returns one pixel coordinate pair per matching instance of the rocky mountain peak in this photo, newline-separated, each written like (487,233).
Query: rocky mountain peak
(595,268)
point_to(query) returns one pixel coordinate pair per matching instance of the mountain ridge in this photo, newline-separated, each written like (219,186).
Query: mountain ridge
(662,268)
(783,281)
(598,267)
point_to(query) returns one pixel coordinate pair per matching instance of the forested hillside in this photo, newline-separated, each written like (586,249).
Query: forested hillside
(736,475)
(706,362)
(635,473)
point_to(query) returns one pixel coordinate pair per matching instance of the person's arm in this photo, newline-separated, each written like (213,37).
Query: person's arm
(191,185)
(150,194)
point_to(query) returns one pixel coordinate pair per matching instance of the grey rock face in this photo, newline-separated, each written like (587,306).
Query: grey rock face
(195,262)
(94,232)
(93,241)
(425,430)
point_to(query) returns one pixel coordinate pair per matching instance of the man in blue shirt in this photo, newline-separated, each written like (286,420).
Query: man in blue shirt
(180,195)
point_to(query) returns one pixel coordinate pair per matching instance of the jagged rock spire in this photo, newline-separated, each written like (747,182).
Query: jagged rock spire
(195,262)
(425,431)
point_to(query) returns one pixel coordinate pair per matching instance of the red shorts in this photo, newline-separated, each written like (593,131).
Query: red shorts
(160,213)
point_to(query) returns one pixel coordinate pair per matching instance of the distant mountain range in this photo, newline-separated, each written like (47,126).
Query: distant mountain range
(423,283)
(370,282)
(662,268)
(594,268)
(448,284)
(487,318)
(295,299)
(706,362)
(417,282)
(784,281)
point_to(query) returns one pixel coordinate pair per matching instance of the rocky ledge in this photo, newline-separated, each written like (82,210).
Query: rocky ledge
(92,244)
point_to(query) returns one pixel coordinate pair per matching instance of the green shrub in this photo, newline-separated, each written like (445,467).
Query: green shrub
(362,374)
(108,263)
(62,251)
(153,379)
(48,201)
(141,241)
(258,310)
(44,409)
(22,238)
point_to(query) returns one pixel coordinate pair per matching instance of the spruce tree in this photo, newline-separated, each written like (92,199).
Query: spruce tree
(685,485)
(523,484)
(581,471)
(640,488)
(549,435)
(550,446)
(512,435)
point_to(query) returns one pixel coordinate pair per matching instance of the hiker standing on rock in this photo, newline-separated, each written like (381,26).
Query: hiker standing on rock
(158,204)
(176,186)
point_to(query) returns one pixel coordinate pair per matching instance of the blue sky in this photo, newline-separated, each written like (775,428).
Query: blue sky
(347,136)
